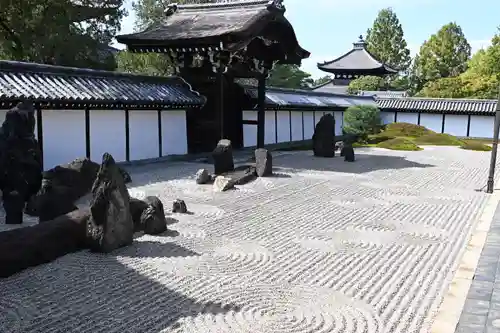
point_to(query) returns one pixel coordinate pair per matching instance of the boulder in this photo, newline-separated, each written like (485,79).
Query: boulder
(27,247)
(20,161)
(148,215)
(110,225)
(126,176)
(348,153)
(223,183)
(179,206)
(203,177)
(223,157)
(324,137)
(263,162)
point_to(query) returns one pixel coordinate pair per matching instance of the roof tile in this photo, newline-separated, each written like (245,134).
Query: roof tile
(414,104)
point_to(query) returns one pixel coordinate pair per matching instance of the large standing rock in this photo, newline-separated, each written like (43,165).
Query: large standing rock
(324,137)
(223,157)
(26,247)
(20,161)
(111,225)
(148,215)
(263,162)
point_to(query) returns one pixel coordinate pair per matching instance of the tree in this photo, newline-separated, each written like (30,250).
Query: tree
(366,83)
(385,40)
(289,76)
(444,55)
(60,32)
(362,120)
(322,80)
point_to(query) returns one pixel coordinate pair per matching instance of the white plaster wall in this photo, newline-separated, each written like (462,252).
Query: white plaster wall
(317,115)
(63,136)
(387,117)
(173,132)
(297,126)
(107,134)
(432,121)
(283,126)
(339,122)
(143,134)
(481,126)
(249,131)
(410,118)
(270,128)
(308,125)
(455,124)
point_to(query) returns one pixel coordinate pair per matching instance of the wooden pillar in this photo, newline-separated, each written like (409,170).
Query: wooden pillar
(87,132)
(160,138)
(127,135)
(468,125)
(220,100)
(443,121)
(39,129)
(261,112)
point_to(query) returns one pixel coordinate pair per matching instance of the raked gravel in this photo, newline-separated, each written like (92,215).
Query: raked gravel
(325,246)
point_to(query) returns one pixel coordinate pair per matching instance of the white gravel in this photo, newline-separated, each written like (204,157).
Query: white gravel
(327,246)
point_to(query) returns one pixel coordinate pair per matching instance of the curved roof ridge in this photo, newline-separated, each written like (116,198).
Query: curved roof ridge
(413,98)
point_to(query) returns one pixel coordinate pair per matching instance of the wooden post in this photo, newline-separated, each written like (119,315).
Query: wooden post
(491,182)
(87,132)
(220,100)
(39,129)
(261,112)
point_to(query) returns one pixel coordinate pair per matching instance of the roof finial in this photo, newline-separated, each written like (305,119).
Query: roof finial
(360,37)
(360,44)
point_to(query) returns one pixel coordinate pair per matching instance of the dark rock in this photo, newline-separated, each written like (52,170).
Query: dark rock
(348,153)
(126,176)
(223,157)
(202,177)
(111,225)
(27,247)
(223,183)
(61,187)
(324,137)
(263,162)
(20,161)
(179,206)
(148,215)
(338,146)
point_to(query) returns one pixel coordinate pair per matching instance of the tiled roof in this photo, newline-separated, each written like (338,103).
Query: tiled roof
(383,94)
(357,61)
(308,99)
(439,105)
(66,85)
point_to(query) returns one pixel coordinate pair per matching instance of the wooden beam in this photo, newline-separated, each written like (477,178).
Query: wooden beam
(261,113)
(160,135)
(39,129)
(127,135)
(250,122)
(468,125)
(87,132)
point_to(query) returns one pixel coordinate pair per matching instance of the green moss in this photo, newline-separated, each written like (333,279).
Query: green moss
(405,130)
(472,145)
(378,138)
(438,139)
(399,144)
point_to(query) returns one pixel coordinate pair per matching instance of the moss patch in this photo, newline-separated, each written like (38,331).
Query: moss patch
(473,145)
(438,139)
(405,130)
(399,144)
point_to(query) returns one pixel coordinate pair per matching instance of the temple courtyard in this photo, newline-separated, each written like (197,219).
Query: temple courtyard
(322,246)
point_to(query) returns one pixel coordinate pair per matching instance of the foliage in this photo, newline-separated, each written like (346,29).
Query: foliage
(438,139)
(405,130)
(444,55)
(474,145)
(399,144)
(385,40)
(378,138)
(362,120)
(366,83)
(322,80)
(37,31)
(143,63)
(289,76)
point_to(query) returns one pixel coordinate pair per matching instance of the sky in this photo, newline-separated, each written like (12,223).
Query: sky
(327,28)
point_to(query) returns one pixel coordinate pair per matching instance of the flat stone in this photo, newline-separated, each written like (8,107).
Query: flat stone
(223,183)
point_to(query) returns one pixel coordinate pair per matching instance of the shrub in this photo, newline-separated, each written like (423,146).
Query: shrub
(378,138)
(406,129)
(438,139)
(478,146)
(399,144)
(362,120)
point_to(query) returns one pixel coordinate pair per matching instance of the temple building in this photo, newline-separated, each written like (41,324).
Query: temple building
(355,63)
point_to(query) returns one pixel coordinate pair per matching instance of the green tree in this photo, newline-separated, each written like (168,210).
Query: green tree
(362,120)
(60,32)
(444,55)
(366,83)
(385,40)
(289,76)
(322,80)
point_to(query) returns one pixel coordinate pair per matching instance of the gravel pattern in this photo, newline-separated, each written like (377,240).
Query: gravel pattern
(325,246)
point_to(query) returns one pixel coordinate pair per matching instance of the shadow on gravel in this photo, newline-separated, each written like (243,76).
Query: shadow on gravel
(364,163)
(148,249)
(98,295)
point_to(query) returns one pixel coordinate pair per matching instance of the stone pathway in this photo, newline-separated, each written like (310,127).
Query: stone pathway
(481,313)
(324,246)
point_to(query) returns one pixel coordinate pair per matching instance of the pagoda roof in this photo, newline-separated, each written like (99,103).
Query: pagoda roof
(358,61)
(229,26)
